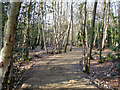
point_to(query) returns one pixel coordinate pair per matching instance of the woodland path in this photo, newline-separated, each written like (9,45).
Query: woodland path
(57,71)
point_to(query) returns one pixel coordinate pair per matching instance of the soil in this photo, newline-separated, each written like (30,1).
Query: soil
(102,73)
(64,71)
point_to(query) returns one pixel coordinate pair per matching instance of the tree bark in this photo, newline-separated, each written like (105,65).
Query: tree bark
(106,28)
(71,32)
(68,32)
(54,25)
(101,30)
(92,34)
(27,32)
(84,59)
(7,50)
(33,43)
(96,33)
(42,26)
(39,28)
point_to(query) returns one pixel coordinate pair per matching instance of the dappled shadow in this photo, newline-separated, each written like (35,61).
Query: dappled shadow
(57,71)
(102,72)
(54,76)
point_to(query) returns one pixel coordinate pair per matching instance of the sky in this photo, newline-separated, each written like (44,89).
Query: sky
(89,4)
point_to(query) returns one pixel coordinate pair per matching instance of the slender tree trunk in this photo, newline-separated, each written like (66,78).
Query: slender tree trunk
(44,35)
(84,59)
(42,25)
(86,35)
(61,22)
(92,34)
(59,30)
(27,32)
(71,32)
(101,31)
(77,33)
(68,32)
(80,25)
(33,36)
(24,34)
(53,23)
(106,28)
(39,28)
(94,42)
(81,36)
(97,33)
(65,20)
(55,29)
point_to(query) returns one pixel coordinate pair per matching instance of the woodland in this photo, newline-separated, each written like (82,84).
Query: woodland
(60,45)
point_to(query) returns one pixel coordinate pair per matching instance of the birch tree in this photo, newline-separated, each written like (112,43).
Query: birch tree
(7,50)
(42,26)
(84,54)
(68,32)
(9,35)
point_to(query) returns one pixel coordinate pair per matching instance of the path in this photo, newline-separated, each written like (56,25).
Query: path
(57,71)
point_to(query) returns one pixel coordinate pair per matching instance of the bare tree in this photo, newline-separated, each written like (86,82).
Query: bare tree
(7,50)
(92,31)
(71,32)
(101,30)
(84,56)
(42,26)
(68,32)
(106,27)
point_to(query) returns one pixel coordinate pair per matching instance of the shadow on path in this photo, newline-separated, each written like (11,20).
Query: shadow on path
(57,71)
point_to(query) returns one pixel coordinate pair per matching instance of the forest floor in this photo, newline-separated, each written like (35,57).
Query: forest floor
(46,71)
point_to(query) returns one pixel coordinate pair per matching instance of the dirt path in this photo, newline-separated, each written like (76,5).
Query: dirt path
(57,71)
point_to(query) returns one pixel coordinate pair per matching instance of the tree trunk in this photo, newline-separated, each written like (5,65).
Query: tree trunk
(58,29)
(84,59)
(42,26)
(39,19)
(71,32)
(86,35)
(54,24)
(97,33)
(68,32)
(92,34)
(80,25)
(106,28)
(101,31)
(33,36)
(7,50)
(27,32)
